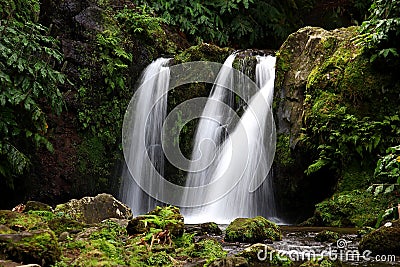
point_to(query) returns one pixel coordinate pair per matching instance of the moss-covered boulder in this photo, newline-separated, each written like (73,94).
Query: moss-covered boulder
(95,209)
(230,261)
(268,256)
(353,208)
(327,236)
(163,218)
(331,106)
(252,230)
(384,240)
(38,246)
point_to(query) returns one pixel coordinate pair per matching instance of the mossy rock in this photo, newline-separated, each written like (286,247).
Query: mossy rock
(321,262)
(62,224)
(95,209)
(203,52)
(327,236)
(21,221)
(353,208)
(37,206)
(39,246)
(210,228)
(163,218)
(229,261)
(252,230)
(267,255)
(384,240)
(207,248)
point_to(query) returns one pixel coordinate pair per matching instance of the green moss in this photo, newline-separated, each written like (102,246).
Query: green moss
(352,208)
(39,246)
(265,254)
(209,249)
(327,236)
(21,221)
(203,52)
(63,224)
(384,241)
(355,176)
(252,230)
(283,154)
(159,259)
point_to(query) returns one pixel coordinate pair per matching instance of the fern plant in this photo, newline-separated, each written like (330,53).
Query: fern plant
(382,29)
(28,83)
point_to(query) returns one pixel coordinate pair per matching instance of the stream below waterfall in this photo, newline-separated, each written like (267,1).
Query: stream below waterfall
(298,244)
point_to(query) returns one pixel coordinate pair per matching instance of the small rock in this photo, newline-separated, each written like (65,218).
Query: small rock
(63,236)
(327,236)
(210,228)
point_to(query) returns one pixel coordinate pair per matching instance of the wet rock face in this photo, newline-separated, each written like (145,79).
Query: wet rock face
(95,209)
(384,240)
(252,230)
(298,57)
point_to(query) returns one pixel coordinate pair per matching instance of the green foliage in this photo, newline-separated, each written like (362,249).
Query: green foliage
(382,29)
(388,166)
(28,82)
(242,22)
(159,259)
(283,151)
(346,138)
(139,20)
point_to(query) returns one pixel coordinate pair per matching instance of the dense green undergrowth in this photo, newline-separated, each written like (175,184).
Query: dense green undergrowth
(29,86)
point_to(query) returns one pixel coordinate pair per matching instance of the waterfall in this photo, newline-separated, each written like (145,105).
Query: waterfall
(143,152)
(244,159)
(210,133)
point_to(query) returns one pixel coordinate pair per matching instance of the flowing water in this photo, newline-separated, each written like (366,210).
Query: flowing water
(142,150)
(210,134)
(298,243)
(244,159)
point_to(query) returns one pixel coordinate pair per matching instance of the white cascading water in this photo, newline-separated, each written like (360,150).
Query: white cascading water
(209,134)
(246,155)
(143,133)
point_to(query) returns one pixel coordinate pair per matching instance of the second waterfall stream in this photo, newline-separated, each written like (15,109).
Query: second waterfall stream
(242,182)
